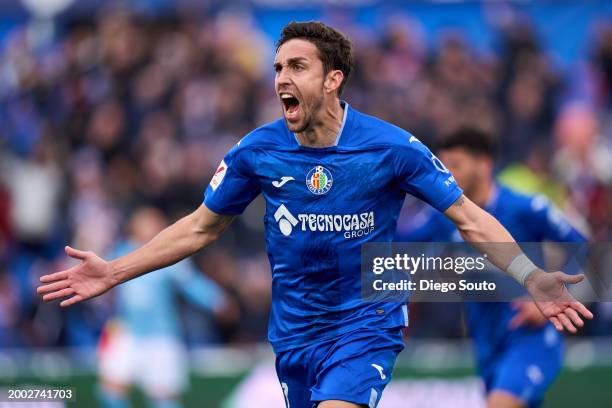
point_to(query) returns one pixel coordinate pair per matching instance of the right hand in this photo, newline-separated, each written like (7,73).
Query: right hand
(91,278)
(551,296)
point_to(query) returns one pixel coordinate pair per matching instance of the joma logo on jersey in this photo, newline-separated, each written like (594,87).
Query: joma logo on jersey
(351,225)
(319,180)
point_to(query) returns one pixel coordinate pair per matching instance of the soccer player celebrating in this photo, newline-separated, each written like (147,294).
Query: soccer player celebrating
(333,179)
(518,351)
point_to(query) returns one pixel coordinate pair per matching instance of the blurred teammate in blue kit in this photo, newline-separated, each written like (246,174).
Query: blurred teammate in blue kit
(333,179)
(518,351)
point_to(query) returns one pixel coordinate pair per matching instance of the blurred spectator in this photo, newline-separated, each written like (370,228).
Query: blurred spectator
(582,163)
(35,185)
(603,61)
(5,227)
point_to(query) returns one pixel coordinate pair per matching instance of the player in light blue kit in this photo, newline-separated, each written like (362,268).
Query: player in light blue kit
(142,345)
(333,179)
(519,353)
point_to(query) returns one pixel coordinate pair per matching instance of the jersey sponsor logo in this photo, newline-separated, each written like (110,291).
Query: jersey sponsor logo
(350,225)
(284,180)
(319,180)
(219,175)
(380,371)
(286,221)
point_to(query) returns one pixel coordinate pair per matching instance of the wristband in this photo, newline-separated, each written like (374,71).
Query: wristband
(520,268)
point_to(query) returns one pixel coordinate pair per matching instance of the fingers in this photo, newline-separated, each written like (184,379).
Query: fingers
(573,316)
(567,324)
(52,287)
(580,308)
(571,278)
(52,277)
(58,294)
(75,253)
(58,284)
(72,301)
(556,323)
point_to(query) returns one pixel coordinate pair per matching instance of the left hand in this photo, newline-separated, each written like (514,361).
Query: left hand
(527,314)
(554,300)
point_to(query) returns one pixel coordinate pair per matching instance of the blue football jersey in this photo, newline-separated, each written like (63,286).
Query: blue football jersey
(528,219)
(322,204)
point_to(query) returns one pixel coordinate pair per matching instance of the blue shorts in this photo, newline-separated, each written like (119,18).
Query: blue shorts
(527,366)
(353,367)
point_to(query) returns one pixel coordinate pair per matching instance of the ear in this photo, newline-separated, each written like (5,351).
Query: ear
(333,80)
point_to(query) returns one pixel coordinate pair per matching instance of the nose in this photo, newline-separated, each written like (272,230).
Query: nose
(282,77)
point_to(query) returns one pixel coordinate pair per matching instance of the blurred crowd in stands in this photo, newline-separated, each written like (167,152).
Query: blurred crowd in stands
(119,112)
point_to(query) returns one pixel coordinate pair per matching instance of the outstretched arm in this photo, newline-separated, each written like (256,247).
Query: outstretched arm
(484,232)
(94,276)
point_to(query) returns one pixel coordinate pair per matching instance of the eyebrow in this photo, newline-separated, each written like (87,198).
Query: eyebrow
(291,61)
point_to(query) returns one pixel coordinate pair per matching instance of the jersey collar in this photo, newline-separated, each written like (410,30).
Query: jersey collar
(346,109)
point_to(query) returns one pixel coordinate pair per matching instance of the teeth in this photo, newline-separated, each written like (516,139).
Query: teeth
(286,96)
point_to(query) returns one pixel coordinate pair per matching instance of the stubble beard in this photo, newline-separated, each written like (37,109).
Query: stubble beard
(308,122)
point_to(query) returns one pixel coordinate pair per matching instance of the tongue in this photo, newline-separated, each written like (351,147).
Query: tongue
(293,108)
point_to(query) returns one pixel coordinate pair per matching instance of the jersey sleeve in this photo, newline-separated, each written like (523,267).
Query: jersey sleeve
(551,223)
(233,185)
(420,173)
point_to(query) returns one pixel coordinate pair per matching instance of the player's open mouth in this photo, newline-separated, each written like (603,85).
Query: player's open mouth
(290,103)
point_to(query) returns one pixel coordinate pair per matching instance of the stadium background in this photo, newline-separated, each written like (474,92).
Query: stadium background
(105,107)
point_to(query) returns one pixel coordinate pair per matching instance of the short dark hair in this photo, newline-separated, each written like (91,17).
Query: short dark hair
(335,49)
(473,140)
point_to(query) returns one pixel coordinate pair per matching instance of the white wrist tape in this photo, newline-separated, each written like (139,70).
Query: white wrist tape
(520,268)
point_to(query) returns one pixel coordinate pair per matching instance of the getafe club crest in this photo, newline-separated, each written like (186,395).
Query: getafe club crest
(319,180)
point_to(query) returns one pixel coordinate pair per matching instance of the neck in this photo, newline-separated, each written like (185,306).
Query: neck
(326,127)
(483,193)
